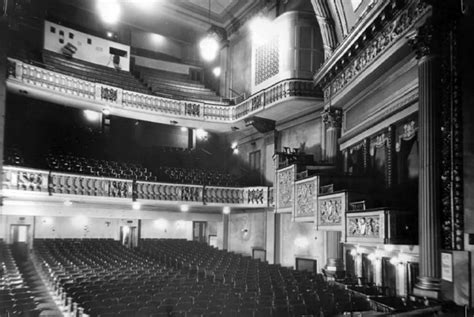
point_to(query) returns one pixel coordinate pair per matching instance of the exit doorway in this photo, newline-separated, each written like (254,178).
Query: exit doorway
(20,239)
(199,231)
(129,236)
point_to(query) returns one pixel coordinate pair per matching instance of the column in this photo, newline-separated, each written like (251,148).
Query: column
(3,88)
(334,253)
(225,231)
(332,119)
(429,161)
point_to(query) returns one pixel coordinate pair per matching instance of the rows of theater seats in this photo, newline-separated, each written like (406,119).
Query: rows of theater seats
(103,168)
(182,157)
(69,163)
(175,85)
(16,298)
(92,72)
(171,278)
(262,289)
(196,176)
(13,156)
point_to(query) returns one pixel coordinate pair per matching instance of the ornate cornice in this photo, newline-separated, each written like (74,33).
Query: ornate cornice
(332,117)
(391,22)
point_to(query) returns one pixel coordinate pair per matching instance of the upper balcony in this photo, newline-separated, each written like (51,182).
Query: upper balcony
(271,102)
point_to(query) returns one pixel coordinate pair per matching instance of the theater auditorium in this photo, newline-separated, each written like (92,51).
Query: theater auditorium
(236,158)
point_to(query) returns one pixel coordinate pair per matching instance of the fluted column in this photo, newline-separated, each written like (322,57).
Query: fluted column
(333,245)
(429,161)
(332,119)
(334,253)
(3,89)
(225,230)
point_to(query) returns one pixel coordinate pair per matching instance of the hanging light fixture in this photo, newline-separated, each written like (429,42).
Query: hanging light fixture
(209,45)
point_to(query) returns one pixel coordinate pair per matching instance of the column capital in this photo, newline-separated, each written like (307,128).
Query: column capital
(422,41)
(332,117)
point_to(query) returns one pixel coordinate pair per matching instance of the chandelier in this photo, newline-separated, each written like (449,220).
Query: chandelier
(209,45)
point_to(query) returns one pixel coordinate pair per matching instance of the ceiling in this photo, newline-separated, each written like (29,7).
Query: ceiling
(183,20)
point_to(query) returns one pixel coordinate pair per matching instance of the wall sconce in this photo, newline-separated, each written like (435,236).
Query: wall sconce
(235,148)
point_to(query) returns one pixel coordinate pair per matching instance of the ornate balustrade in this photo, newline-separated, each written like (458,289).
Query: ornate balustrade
(20,180)
(25,179)
(69,86)
(62,183)
(381,226)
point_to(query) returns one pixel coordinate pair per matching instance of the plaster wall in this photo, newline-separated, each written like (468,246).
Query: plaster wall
(156,43)
(300,239)
(240,64)
(246,230)
(305,136)
(53,221)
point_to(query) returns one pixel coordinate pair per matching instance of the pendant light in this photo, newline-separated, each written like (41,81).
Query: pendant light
(209,45)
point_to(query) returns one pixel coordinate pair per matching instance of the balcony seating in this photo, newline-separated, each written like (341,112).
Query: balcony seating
(13,156)
(69,163)
(196,176)
(181,278)
(92,72)
(176,85)
(102,168)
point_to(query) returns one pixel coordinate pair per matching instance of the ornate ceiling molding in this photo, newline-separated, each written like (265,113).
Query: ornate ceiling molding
(383,27)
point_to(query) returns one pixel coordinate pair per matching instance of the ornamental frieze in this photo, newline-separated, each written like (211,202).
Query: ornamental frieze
(391,33)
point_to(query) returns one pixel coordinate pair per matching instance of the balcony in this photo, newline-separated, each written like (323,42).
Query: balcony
(23,184)
(385,226)
(49,85)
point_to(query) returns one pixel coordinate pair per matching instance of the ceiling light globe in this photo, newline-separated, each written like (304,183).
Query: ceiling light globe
(209,47)
(109,11)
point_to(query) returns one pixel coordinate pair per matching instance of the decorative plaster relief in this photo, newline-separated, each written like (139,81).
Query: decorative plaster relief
(285,179)
(391,33)
(306,198)
(330,211)
(364,226)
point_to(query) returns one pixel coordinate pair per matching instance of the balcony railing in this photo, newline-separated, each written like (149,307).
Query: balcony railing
(36,76)
(49,183)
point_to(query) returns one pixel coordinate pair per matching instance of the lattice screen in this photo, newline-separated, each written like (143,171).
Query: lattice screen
(267,61)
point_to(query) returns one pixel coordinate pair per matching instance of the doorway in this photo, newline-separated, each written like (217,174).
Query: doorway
(129,236)
(199,231)
(20,238)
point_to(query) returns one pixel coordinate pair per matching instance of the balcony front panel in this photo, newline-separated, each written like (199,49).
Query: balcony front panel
(330,211)
(285,189)
(306,199)
(384,226)
(23,183)
(50,85)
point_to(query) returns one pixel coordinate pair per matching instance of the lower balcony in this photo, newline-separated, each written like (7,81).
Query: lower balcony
(23,184)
